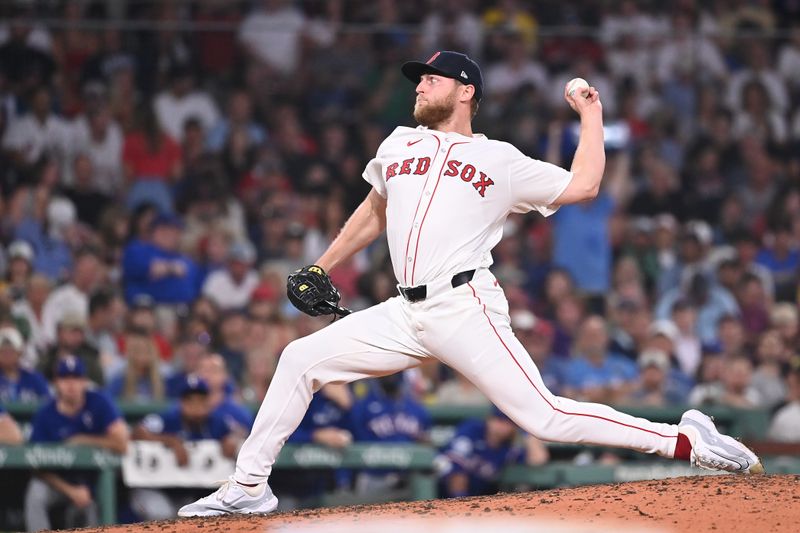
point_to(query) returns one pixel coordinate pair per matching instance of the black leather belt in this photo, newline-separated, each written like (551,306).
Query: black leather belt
(420,292)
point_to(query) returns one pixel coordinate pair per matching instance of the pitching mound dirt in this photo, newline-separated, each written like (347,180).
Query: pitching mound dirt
(708,503)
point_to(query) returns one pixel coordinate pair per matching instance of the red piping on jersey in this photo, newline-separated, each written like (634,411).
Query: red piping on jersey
(554,408)
(411,229)
(419,233)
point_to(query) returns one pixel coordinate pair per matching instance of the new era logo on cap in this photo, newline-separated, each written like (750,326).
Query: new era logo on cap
(450,64)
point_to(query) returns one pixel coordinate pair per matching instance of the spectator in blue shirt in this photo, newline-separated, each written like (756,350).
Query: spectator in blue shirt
(236,416)
(18,384)
(192,419)
(471,463)
(76,416)
(387,414)
(537,336)
(782,259)
(9,430)
(157,268)
(594,374)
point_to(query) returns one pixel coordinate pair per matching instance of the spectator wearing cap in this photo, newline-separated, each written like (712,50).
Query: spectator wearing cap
(630,320)
(20,269)
(79,416)
(10,433)
(747,247)
(593,373)
(232,286)
(141,380)
(471,463)
(72,297)
(785,424)
(653,387)
(191,419)
(157,268)
(537,336)
(71,343)
(711,301)
(18,384)
(51,236)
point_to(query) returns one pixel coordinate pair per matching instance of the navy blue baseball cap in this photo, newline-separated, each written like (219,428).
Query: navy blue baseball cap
(193,384)
(70,366)
(167,219)
(450,65)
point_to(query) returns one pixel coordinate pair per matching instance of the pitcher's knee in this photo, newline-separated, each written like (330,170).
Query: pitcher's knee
(304,359)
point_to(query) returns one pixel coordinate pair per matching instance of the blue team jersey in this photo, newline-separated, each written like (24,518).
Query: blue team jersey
(378,418)
(580,374)
(469,453)
(97,414)
(171,422)
(30,387)
(322,413)
(234,415)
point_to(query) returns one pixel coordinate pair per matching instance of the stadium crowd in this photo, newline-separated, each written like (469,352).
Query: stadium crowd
(157,185)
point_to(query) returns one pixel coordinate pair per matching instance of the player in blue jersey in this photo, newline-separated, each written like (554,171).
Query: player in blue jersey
(192,419)
(472,461)
(388,414)
(18,384)
(76,416)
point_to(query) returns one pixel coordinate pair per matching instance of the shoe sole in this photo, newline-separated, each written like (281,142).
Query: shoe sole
(271,505)
(700,423)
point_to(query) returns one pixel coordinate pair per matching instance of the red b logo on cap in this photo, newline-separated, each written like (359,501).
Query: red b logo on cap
(434,56)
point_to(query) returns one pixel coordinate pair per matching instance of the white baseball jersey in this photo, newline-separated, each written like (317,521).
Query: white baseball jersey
(449,195)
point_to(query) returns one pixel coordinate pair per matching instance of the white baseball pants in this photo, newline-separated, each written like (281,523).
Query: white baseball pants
(467,328)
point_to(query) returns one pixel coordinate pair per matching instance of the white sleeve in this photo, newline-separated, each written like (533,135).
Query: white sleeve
(535,184)
(373,173)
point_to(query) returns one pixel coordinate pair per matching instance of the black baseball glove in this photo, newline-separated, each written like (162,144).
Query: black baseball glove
(311,291)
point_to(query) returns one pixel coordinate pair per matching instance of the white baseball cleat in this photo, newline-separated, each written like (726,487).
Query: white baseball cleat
(233,498)
(714,451)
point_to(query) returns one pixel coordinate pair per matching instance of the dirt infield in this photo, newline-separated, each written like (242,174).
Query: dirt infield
(708,503)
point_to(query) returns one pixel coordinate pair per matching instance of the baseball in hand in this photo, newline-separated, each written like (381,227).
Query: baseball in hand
(576,84)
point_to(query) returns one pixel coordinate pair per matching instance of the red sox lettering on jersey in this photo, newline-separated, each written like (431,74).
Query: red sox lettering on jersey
(448,196)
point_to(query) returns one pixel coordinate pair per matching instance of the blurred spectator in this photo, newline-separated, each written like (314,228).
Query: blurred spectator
(471,463)
(232,286)
(89,202)
(735,389)
(771,359)
(141,379)
(20,269)
(754,305)
(152,160)
(72,297)
(782,258)
(789,59)
(106,311)
(30,310)
(38,134)
(71,343)
(784,317)
(189,352)
(537,335)
(759,68)
(711,301)
(517,68)
(458,390)
(569,313)
(630,320)
(157,269)
(182,102)
(688,53)
(232,342)
(80,416)
(52,235)
(17,383)
(97,135)
(593,374)
(731,337)
(9,430)
(451,25)
(387,414)
(785,425)
(188,421)
(688,348)
(653,387)
(239,117)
